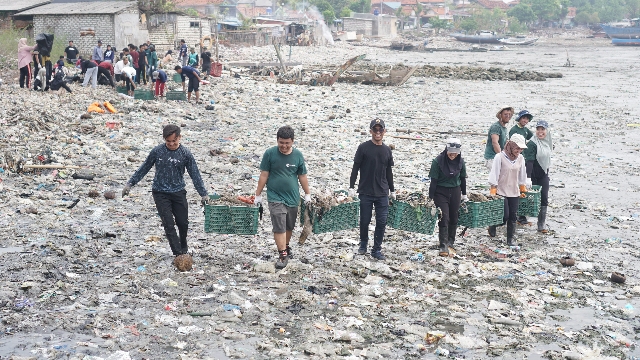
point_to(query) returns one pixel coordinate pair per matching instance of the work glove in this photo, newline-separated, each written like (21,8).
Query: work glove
(204,200)
(307,199)
(126,190)
(352,192)
(464,198)
(528,183)
(257,201)
(393,195)
(523,190)
(493,191)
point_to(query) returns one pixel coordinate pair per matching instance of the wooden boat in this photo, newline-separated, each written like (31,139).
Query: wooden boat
(484,37)
(626,42)
(518,41)
(627,32)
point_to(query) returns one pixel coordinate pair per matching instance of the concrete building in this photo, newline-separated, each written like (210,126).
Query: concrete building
(371,25)
(166,30)
(116,23)
(9,8)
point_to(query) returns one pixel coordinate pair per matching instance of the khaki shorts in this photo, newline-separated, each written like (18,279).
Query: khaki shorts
(283,218)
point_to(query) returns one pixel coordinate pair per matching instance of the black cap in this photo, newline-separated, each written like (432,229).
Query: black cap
(376,122)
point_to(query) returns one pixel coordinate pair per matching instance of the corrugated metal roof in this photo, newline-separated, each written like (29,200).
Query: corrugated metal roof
(102,7)
(14,5)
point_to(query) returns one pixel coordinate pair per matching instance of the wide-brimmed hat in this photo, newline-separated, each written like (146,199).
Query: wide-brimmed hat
(519,140)
(524,113)
(503,109)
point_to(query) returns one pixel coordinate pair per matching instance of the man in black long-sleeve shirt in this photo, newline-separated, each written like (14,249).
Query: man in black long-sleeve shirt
(374,161)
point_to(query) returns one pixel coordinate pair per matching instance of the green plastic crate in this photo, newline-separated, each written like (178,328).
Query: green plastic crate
(121,89)
(176,95)
(481,214)
(342,217)
(143,94)
(530,205)
(419,219)
(223,219)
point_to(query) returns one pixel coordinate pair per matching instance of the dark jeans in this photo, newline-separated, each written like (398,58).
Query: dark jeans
(511,209)
(170,206)
(381,204)
(448,200)
(544,191)
(141,75)
(49,67)
(25,74)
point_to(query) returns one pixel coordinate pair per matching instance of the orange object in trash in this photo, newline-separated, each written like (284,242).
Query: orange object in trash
(247,199)
(109,107)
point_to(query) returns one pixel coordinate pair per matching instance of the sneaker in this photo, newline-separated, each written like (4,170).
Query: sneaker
(283,259)
(289,254)
(377,255)
(362,251)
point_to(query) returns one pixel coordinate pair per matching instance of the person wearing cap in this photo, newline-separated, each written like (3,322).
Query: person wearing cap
(538,160)
(161,80)
(183,55)
(524,117)
(448,188)
(374,161)
(508,178)
(497,135)
(97,55)
(281,169)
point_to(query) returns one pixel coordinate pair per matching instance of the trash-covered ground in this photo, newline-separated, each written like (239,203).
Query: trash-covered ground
(89,277)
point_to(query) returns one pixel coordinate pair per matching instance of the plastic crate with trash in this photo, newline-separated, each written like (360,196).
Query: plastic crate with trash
(418,219)
(481,214)
(176,95)
(340,217)
(142,94)
(530,205)
(226,219)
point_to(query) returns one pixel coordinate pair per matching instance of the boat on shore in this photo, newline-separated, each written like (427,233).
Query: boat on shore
(484,37)
(625,32)
(518,41)
(626,42)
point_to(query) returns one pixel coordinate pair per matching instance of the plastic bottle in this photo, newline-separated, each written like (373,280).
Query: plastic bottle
(558,292)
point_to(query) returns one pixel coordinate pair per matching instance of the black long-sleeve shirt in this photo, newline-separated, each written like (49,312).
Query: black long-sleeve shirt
(374,162)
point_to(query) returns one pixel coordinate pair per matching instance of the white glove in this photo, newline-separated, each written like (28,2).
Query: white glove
(257,201)
(393,195)
(464,198)
(352,192)
(307,198)
(126,190)
(204,200)
(528,183)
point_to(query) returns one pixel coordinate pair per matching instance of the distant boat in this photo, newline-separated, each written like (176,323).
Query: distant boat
(626,42)
(484,37)
(628,32)
(518,41)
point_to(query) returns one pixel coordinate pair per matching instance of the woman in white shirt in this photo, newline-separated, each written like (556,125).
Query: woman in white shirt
(508,178)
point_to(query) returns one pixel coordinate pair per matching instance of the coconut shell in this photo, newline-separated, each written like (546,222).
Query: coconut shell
(618,278)
(110,195)
(567,261)
(183,262)
(94,194)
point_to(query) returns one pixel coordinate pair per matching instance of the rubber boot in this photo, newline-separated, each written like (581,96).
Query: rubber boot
(452,235)
(511,231)
(492,231)
(443,234)
(542,217)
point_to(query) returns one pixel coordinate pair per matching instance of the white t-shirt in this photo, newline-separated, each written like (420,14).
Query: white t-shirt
(129,71)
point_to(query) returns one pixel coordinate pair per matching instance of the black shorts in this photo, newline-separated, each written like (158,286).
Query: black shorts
(129,83)
(206,68)
(118,78)
(194,84)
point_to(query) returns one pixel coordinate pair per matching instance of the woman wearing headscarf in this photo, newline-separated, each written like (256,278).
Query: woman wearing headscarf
(448,187)
(24,62)
(538,160)
(508,178)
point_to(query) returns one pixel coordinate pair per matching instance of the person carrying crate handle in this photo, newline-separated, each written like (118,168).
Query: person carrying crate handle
(508,178)
(538,160)
(448,189)
(281,168)
(170,160)
(374,161)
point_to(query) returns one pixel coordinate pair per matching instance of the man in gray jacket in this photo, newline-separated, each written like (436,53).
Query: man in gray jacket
(98,54)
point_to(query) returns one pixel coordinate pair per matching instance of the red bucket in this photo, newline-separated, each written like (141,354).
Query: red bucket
(216,69)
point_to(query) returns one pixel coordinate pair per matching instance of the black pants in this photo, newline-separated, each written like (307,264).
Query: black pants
(174,206)
(511,209)
(141,74)
(544,191)
(25,75)
(55,86)
(49,67)
(448,200)
(107,75)
(381,204)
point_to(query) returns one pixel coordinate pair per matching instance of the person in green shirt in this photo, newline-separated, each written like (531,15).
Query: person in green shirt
(281,168)
(152,62)
(524,117)
(497,135)
(447,189)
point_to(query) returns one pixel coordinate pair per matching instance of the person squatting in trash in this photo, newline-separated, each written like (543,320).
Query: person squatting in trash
(538,160)
(281,169)
(170,160)
(194,80)
(448,188)
(161,80)
(58,81)
(127,76)
(497,135)
(508,178)
(373,160)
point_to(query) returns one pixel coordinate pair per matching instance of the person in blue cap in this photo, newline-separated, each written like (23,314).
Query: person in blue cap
(538,160)
(524,117)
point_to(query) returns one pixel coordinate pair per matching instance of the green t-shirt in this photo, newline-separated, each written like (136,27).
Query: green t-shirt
(282,184)
(530,152)
(524,131)
(152,58)
(496,128)
(436,174)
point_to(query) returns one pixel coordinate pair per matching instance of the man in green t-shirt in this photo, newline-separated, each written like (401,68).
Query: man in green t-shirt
(281,168)
(521,125)
(497,135)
